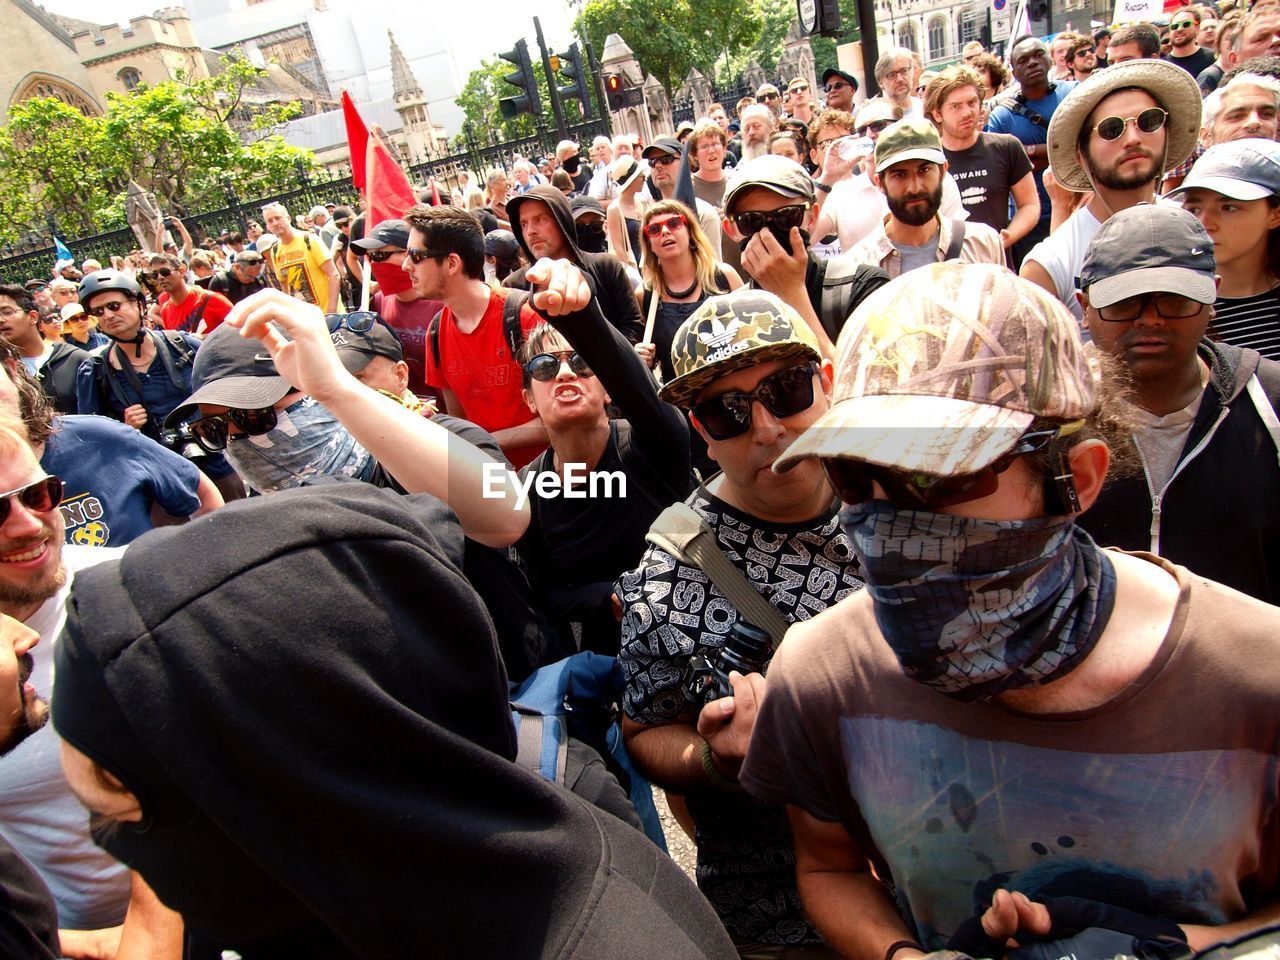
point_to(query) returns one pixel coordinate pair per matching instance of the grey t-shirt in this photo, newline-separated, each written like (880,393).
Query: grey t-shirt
(1162,439)
(921,256)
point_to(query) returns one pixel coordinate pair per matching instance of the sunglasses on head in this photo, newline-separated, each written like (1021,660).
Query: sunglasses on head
(39,497)
(751,222)
(1170,306)
(1148,121)
(907,490)
(358,321)
(419,254)
(211,432)
(546,366)
(102,309)
(381,256)
(783,394)
(653,229)
(875,126)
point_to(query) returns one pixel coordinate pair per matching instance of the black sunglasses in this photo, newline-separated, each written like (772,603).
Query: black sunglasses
(211,432)
(102,309)
(875,126)
(160,272)
(1170,306)
(358,321)
(751,222)
(663,160)
(546,366)
(834,85)
(381,256)
(1148,121)
(418,254)
(851,479)
(39,497)
(783,394)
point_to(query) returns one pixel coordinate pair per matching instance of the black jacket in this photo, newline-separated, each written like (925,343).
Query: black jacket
(1220,513)
(58,376)
(605,273)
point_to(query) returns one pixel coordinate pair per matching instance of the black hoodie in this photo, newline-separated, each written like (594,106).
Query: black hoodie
(314,718)
(605,273)
(1219,515)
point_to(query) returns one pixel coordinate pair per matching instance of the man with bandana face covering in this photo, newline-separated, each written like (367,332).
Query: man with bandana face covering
(397,302)
(1008,717)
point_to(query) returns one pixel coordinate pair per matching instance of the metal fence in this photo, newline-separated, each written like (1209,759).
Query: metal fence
(728,94)
(34,256)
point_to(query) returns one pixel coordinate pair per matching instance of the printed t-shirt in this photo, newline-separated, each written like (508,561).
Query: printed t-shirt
(482,373)
(299,266)
(985,173)
(182,316)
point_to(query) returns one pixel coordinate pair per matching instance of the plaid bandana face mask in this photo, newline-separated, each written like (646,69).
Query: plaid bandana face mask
(976,607)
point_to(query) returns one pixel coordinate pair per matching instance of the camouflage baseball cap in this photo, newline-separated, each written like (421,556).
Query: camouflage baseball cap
(941,370)
(910,139)
(732,331)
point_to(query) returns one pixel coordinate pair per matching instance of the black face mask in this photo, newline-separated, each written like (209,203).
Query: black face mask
(591,237)
(570,166)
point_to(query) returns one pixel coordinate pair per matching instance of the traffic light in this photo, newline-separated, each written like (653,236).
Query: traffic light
(571,68)
(614,91)
(522,77)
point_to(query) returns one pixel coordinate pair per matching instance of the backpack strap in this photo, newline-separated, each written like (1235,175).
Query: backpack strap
(957,239)
(166,343)
(433,336)
(1265,410)
(537,751)
(681,531)
(511,326)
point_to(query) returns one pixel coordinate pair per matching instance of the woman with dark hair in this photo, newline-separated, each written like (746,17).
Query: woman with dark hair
(1234,190)
(502,255)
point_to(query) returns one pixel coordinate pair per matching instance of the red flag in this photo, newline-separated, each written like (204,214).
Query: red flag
(357,139)
(435,193)
(386,185)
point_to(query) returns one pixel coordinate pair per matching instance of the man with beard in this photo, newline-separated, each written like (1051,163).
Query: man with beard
(1185,50)
(405,310)
(1082,57)
(40,818)
(1002,679)
(1115,136)
(895,71)
(909,166)
(988,167)
(1026,115)
(184,307)
(757,122)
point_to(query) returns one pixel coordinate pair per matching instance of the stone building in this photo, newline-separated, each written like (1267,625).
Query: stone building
(48,65)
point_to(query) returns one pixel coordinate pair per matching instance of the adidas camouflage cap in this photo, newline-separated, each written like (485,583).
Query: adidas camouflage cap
(732,331)
(943,369)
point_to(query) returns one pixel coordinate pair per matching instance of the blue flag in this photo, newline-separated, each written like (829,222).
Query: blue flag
(62,252)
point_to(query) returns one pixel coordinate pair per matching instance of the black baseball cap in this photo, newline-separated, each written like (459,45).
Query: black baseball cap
(583,204)
(848,78)
(665,145)
(355,350)
(389,233)
(231,371)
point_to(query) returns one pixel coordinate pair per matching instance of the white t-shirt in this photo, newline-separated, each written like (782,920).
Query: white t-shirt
(856,207)
(39,815)
(1062,254)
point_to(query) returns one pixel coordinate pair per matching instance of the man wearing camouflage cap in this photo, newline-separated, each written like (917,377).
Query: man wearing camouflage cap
(751,376)
(1007,707)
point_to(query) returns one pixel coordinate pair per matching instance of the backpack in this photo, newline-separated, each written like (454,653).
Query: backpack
(510,324)
(577,697)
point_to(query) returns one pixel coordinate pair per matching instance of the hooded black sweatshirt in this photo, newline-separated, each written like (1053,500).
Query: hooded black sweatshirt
(314,718)
(604,272)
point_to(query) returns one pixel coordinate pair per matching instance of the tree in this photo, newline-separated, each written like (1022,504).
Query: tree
(479,98)
(173,138)
(670,38)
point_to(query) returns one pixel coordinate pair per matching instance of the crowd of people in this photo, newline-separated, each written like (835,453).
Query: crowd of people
(910,463)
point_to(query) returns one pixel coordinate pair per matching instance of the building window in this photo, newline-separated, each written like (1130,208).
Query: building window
(937,38)
(130,78)
(970,27)
(907,37)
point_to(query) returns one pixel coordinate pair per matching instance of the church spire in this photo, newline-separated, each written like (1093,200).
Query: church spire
(404,85)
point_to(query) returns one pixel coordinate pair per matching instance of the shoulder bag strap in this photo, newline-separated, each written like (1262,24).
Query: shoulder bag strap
(957,239)
(1265,410)
(681,531)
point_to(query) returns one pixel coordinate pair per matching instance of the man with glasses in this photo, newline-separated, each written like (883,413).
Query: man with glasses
(53,363)
(242,279)
(403,308)
(943,727)
(1114,136)
(839,88)
(971,51)
(769,96)
(909,167)
(769,208)
(708,144)
(1207,494)
(184,307)
(1026,115)
(1185,50)
(1082,57)
(801,100)
(752,376)
(894,72)
(665,157)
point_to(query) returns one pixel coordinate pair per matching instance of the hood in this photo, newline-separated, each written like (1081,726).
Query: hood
(560,207)
(1230,367)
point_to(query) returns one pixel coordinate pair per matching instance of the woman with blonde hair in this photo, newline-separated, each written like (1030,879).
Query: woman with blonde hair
(623,218)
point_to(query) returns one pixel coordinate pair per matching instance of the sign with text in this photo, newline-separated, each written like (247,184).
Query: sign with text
(1129,11)
(1000,26)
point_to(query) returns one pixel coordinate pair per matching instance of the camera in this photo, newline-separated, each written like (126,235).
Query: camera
(746,649)
(182,442)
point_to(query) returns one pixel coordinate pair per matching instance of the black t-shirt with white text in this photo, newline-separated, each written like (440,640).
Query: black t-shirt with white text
(986,173)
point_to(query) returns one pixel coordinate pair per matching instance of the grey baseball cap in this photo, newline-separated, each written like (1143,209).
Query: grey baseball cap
(1246,169)
(356,350)
(780,174)
(1149,248)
